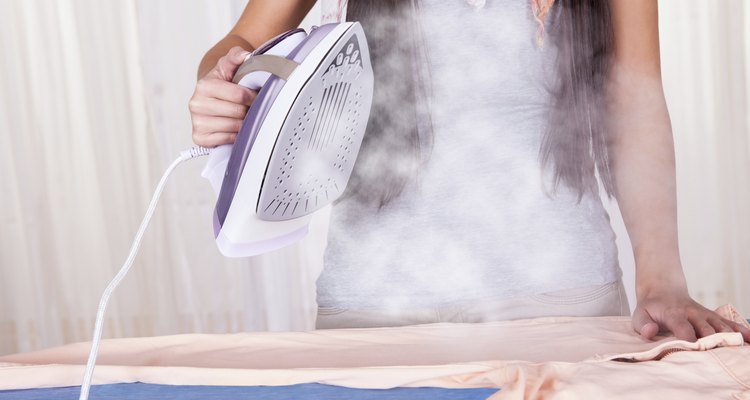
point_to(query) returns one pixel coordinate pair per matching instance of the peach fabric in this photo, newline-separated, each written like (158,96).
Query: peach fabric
(551,357)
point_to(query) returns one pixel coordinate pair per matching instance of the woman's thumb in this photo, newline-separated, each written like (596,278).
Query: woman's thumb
(644,324)
(228,65)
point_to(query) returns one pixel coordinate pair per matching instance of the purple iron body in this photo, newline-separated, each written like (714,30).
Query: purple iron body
(298,143)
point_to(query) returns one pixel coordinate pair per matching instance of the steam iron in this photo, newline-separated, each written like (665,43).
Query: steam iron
(298,143)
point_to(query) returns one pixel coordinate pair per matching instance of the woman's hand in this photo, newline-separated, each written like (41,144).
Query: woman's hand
(218,106)
(673,310)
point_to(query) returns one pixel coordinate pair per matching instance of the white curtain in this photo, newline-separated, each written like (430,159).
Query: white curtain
(93,108)
(93,99)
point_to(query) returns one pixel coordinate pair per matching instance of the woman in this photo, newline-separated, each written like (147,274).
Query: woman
(491,211)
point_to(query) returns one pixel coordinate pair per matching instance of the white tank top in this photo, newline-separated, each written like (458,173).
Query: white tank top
(477,224)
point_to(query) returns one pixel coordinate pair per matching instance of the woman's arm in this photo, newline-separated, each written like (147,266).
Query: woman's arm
(218,106)
(260,21)
(643,159)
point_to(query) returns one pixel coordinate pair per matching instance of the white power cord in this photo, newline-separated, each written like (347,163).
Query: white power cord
(185,155)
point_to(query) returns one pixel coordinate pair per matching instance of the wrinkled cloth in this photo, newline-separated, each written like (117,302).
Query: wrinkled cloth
(551,357)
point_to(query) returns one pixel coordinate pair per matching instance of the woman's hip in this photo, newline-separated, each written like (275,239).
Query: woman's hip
(586,301)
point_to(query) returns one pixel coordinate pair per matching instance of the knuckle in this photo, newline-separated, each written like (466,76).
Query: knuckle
(697,312)
(202,86)
(686,331)
(248,96)
(193,105)
(197,125)
(240,110)
(675,313)
(229,139)
(224,68)
(198,139)
(238,96)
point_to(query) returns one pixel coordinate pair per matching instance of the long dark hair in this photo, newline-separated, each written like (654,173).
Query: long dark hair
(574,144)
(577,136)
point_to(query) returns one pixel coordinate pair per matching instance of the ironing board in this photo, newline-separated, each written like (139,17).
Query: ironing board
(540,357)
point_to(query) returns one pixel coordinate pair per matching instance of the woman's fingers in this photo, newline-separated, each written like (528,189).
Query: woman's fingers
(682,329)
(713,323)
(704,328)
(206,124)
(214,139)
(745,331)
(720,325)
(724,325)
(224,90)
(217,108)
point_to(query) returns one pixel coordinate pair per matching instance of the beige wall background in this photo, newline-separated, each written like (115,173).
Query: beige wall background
(93,101)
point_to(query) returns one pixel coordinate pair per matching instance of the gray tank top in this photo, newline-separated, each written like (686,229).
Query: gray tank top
(479,223)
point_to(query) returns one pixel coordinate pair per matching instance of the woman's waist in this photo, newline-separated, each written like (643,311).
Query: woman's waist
(436,288)
(435,268)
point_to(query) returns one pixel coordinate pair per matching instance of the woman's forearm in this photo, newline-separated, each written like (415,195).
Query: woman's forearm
(642,147)
(644,170)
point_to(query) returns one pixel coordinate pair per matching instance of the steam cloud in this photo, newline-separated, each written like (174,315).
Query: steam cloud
(475,220)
